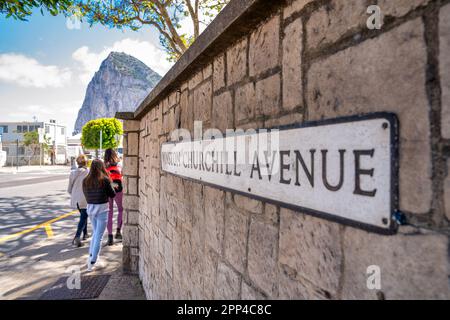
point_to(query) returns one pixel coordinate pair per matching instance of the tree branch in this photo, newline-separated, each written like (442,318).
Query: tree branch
(194,16)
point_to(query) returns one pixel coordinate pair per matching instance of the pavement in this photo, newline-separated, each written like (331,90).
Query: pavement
(36,230)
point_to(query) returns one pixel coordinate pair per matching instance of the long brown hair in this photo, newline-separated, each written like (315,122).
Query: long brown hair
(111,157)
(96,176)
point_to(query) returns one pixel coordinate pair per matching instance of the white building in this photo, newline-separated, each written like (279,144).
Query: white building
(12,139)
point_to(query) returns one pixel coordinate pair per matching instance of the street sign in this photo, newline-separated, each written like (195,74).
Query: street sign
(41,135)
(342,169)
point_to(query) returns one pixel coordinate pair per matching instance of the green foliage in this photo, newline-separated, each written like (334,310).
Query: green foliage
(31,140)
(110,127)
(164,15)
(21,9)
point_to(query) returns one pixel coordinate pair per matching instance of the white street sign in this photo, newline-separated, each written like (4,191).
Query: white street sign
(41,135)
(341,169)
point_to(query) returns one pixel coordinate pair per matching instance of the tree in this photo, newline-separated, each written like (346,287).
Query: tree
(23,8)
(31,141)
(110,127)
(164,15)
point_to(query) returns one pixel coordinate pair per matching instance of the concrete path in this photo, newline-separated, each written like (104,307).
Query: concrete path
(36,230)
(28,272)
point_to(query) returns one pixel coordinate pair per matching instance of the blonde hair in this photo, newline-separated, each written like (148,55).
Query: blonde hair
(82,160)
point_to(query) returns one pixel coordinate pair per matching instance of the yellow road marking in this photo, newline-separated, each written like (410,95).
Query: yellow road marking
(44,224)
(48,230)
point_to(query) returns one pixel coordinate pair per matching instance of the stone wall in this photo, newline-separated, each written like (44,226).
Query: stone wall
(277,64)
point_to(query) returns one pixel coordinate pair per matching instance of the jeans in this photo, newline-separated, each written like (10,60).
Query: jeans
(82,224)
(118,200)
(98,213)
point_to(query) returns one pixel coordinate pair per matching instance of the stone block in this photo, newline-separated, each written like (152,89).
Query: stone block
(412,266)
(250,293)
(236,231)
(207,71)
(130,236)
(399,8)
(219,72)
(132,144)
(311,247)
(245,102)
(248,204)
(131,125)
(132,186)
(222,112)
(130,202)
(268,96)
(195,80)
(203,102)
(237,62)
(186,111)
(262,256)
(214,217)
(292,62)
(293,118)
(334,20)
(294,7)
(264,47)
(444,67)
(168,256)
(227,286)
(132,217)
(130,166)
(447,191)
(271,213)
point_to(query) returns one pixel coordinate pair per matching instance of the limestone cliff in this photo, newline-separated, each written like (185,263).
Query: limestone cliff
(120,84)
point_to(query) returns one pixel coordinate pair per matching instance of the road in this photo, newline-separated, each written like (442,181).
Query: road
(29,199)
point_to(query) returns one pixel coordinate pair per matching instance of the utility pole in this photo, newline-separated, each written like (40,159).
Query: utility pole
(101,141)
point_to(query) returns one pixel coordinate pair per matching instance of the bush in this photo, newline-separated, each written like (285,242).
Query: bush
(110,127)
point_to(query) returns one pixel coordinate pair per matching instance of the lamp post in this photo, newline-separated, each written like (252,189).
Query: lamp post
(101,141)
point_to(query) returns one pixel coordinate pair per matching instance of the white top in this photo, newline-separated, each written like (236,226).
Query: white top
(75,187)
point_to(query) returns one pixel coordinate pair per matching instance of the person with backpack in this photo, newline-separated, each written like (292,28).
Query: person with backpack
(112,160)
(98,189)
(77,199)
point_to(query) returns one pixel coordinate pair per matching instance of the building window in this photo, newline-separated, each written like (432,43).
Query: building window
(3,129)
(47,129)
(62,131)
(21,151)
(24,128)
(19,129)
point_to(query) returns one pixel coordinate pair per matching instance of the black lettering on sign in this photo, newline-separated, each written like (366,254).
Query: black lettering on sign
(309,173)
(341,171)
(359,172)
(255,167)
(284,166)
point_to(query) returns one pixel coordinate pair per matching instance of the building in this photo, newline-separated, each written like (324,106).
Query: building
(12,140)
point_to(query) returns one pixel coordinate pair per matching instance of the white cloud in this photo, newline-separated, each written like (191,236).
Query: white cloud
(28,72)
(147,52)
(187,27)
(64,112)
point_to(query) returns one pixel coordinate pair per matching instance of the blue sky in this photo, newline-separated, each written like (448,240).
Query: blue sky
(46,64)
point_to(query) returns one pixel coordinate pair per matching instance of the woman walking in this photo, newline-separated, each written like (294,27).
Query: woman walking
(77,199)
(115,173)
(98,190)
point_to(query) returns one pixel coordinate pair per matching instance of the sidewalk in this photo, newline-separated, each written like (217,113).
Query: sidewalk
(56,169)
(26,274)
